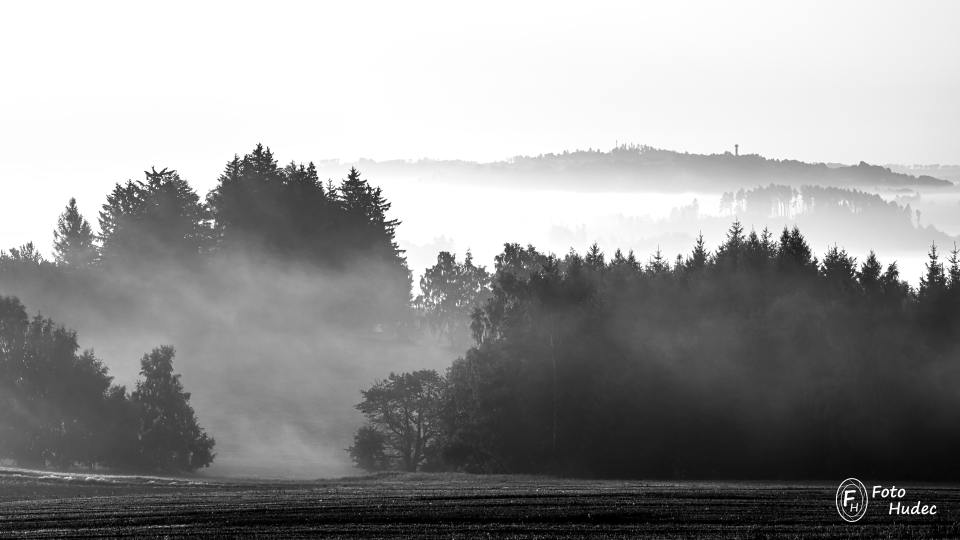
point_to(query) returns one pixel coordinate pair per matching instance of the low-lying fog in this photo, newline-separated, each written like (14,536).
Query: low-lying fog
(455,217)
(275,378)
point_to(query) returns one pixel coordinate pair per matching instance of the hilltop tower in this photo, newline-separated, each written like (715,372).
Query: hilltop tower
(736,149)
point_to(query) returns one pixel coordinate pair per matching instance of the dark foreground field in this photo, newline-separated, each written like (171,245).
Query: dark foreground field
(34,504)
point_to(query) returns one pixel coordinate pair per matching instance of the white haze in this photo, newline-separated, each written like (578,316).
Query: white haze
(93,93)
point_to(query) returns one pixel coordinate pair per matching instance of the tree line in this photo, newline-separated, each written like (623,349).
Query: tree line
(755,359)
(631,167)
(780,201)
(256,207)
(163,253)
(59,406)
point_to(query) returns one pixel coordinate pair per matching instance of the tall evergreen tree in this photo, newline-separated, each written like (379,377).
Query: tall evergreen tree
(658,264)
(594,258)
(793,253)
(840,270)
(953,273)
(731,252)
(159,218)
(170,438)
(934,282)
(698,258)
(73,240)
(359,199)
(869,275)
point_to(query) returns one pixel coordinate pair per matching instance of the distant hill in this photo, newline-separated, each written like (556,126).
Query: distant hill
(628,168)
(947,172)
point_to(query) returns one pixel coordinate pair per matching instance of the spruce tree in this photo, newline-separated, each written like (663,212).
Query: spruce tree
(934,282)
(698,258)
(170,438)
(870,273)
(73,240)
(658,263)
(953,275)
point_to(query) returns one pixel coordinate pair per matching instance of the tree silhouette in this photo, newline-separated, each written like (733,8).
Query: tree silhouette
(405,410)
(73,240)
(451,291)
(613,369)
(54,400)
(170,439)
(369,450)
(158,219)
(934,282)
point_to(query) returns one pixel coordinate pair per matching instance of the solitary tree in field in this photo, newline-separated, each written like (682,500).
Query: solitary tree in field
(405,410)
(73,240)
(170,439)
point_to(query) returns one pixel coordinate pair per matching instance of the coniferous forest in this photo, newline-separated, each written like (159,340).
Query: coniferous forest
(166,253)
(756,358)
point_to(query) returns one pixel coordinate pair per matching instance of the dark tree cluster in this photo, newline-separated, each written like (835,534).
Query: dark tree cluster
(753,360)
(59,408)
(450,292)
(287,211)
(166,256)
(159,227)
(780,201)
(404,426)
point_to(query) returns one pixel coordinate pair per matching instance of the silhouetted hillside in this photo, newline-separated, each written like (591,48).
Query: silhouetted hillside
(644,167)
(947,172)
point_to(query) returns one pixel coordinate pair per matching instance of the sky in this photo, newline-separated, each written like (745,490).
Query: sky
(92,93)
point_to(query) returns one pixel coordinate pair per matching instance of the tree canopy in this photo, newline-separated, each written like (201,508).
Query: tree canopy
(59,408)
(754,360)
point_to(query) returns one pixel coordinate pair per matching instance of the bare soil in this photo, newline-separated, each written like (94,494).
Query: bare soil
(35,504)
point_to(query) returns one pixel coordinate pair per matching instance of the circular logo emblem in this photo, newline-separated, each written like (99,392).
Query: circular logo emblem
(852,500)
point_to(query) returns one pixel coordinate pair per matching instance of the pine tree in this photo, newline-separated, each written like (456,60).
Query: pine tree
(839,269)
(594,258)
(161,217)
(359,198)
(73,240)
(367,204)
(731,252)
(769,246)
(355,194)
(953,274)
(870,273)
(170,439)
(698,259)
(934,282)
(261,165)
(658,264)
(794,254)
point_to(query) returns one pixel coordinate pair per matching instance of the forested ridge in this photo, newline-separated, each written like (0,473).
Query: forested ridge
(629,167)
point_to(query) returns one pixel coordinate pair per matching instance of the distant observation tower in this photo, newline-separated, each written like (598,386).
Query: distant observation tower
(736,149)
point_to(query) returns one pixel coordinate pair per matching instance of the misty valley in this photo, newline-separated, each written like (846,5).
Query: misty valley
(278,327)
(426,269)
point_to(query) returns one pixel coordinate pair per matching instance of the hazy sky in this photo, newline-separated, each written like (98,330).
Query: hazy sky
(92,93)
